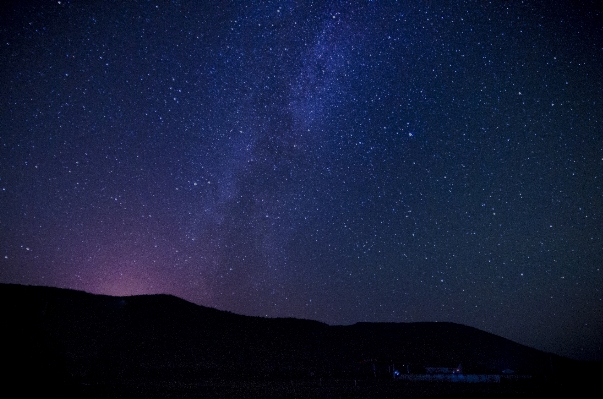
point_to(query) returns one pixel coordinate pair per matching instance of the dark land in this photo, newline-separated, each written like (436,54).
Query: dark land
(75,344)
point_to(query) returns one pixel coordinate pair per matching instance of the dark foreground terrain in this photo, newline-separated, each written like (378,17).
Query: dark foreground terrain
(76,344)
(325,389)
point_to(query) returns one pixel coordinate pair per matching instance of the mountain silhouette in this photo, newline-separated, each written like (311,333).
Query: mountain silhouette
(75,344)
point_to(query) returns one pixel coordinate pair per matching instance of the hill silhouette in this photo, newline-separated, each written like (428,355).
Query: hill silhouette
(75,343)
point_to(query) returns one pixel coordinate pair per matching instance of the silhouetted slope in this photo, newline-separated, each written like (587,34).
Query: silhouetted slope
(66,338)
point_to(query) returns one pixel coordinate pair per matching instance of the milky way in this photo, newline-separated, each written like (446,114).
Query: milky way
(423,161)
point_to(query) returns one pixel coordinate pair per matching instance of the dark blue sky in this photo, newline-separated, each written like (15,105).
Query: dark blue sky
(382,161)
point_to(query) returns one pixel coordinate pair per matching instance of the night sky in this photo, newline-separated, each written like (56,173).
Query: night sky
(381,161)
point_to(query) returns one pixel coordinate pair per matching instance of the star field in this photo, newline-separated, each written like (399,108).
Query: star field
(381,161)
